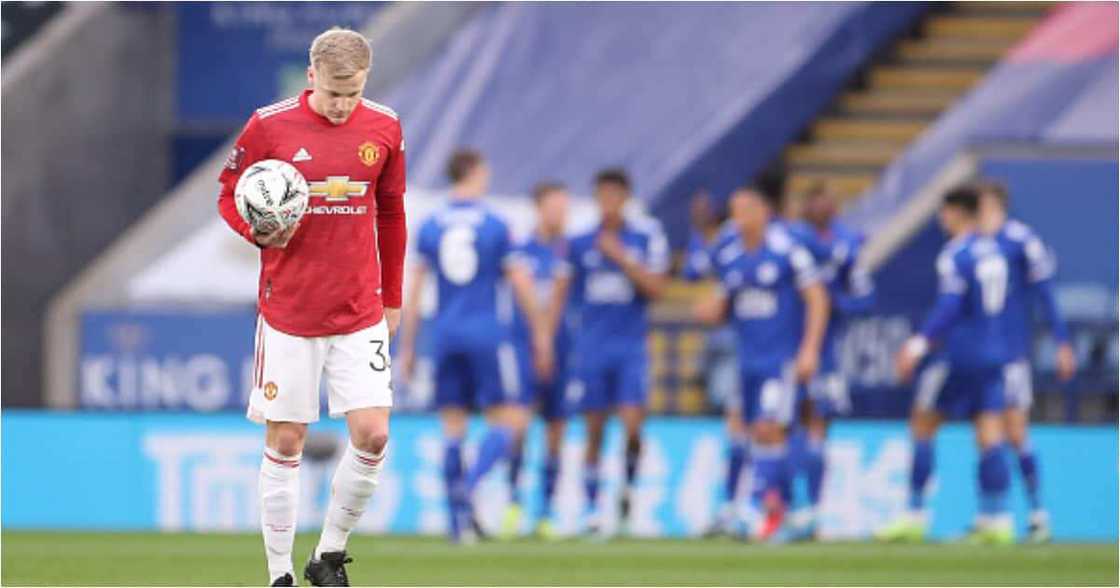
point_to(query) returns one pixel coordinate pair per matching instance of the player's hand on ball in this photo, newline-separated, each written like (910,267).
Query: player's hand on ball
(1066,362)
(278,239)
(806,364)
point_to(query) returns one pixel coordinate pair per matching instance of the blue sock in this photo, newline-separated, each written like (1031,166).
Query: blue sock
(920,469)
(770,463)
(736,458)
(591,485)
(812,463)
(994,480)
(1028,465)
(495,446)
(453,479)
(515,461)
(551,472)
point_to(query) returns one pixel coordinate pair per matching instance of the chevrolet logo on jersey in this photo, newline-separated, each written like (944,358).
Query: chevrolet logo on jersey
(338,188)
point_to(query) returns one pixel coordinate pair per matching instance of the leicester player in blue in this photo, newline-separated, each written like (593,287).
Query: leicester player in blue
(468,251)
(613,272)
(968,320)
(542,253)
(719,358)
(835,249)
(1032,268)
(770,291)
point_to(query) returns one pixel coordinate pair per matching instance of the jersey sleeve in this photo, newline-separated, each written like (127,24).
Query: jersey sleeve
(392,231)
(856,295)
(657,249)
(951,289)
(804,270)
(1041,262)
(950,280)
(251,146)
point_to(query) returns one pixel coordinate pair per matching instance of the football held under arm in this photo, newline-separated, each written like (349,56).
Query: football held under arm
(251,146)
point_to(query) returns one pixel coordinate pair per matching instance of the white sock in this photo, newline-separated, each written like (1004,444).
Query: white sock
(279,494)
(353,484)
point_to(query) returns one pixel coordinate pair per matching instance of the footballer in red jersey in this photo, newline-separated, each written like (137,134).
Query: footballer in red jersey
(329,293)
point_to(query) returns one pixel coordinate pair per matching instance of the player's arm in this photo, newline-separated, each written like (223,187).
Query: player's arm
(856,296)
(711,309)
(561,285)
(946,310)
(521,282)
(251,146)
(815,298)
(410,322)
(1042,266)
(392,232)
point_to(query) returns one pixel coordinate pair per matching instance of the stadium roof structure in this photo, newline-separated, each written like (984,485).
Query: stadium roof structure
(1056,91)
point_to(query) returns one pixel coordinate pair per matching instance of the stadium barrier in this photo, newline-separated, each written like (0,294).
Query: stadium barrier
(196,472)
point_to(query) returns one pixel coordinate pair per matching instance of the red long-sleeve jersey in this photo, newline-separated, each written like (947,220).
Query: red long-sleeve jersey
(344,264)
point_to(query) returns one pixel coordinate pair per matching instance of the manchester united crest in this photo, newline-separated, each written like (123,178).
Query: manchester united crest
(369,153)
(270,390)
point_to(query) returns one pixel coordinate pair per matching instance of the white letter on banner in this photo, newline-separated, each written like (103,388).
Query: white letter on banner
(694,495)
(96,391)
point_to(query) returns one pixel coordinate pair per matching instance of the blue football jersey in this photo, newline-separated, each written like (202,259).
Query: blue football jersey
(850,290)
(763,290)
(609,311)
(1031,265)
(467,248)
(543,259)
(970,313)
(698,259)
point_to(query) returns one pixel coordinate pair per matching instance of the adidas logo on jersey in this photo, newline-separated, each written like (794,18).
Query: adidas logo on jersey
(301,155)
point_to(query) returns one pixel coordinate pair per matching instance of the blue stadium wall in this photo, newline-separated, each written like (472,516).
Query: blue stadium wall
(189,472)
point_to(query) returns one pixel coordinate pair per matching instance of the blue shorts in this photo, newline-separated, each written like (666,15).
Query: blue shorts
(550,396)
(828,392)
(957,392)
(768,394)
(479,376)
(605,380)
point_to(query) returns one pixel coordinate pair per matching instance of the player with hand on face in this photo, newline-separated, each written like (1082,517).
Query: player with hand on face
(969,322)
(1032,268)
(469,254)
(769,290)
(543,253)
(329,295)
(613,272)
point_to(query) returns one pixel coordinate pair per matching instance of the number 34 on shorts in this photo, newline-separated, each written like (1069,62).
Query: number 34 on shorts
(288,370)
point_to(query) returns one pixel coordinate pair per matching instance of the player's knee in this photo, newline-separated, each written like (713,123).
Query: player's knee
(288,441)
(373,441)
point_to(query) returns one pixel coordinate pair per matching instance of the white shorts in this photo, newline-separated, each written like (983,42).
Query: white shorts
(287,370)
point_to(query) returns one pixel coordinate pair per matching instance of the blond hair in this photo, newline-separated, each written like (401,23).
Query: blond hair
(342,51)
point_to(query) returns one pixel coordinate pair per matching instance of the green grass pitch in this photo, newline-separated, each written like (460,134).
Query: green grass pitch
(139,559)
